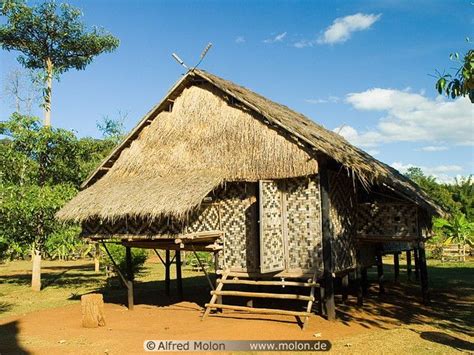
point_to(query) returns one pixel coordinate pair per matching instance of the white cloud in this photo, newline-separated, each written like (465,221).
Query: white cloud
(343,27)
(278,38)
(434,148)
(365,140)
(240,40)
(413,117)
(303,43)
(443,173)
(329,99)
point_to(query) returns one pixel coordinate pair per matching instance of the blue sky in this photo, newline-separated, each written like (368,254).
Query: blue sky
(358,67)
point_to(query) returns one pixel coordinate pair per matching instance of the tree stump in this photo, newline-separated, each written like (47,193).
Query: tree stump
(92,307)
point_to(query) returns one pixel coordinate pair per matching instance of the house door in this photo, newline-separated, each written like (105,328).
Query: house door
(272,240)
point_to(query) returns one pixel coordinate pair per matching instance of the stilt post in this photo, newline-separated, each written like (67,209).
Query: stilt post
(345,287)
(396,267)
(167,272)
(409,265)
(364,281)
(359,289)
(328,302)
(380,271)
(417,263)
(179,278)
(128,257)
(423,274)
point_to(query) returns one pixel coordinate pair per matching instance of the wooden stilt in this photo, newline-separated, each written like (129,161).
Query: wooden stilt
(380,272)
(360,293)
(364,281)
(345,287)
(216,268)
(128,257)
(179,278)
(215,296)
(396,267)
(409,265)
(329,304)
(417,264)
(167,272)
(423,275)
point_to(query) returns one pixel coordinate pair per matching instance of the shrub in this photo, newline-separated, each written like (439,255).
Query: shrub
(139,256)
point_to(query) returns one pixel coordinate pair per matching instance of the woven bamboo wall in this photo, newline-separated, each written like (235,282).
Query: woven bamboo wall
(387,220)
(303,222)
(272,234)
(343,205)
(239,221)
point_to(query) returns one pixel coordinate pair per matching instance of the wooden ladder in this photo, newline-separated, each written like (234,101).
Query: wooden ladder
(238,278)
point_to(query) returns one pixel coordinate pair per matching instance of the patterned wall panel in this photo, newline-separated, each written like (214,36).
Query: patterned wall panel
(343,205)
(303,221)
(387,220)
(239,221)
(272,247)
(206,219)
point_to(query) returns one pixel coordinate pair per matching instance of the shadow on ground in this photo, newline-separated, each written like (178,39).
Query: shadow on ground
(9,343)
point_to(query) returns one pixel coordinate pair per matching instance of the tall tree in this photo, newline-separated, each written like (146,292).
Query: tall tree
(461,82)
(52,39)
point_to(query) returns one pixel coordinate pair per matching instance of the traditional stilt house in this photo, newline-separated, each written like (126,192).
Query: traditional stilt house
(216,167)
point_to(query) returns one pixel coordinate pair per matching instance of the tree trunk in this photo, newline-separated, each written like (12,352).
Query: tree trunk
(48,92)
(97,258)
(92,308)
(36,272)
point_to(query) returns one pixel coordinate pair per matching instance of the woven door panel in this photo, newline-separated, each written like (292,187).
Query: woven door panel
(272,254)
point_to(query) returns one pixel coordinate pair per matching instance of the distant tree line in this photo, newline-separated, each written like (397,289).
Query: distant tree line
(457,199)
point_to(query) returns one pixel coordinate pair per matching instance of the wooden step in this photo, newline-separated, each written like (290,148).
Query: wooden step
(286,296)
(268,283)
(278,275)
(258,310)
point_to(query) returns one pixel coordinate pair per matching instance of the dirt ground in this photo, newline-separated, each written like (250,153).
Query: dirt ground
(394,323)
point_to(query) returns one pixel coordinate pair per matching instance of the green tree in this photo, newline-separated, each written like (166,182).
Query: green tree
(438,192)
(52,39)
(456,230)
(41,169)
(461,83)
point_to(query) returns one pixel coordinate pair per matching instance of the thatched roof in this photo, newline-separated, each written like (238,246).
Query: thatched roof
(172,160)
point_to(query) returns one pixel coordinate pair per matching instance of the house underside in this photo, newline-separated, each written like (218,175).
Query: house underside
(217,168)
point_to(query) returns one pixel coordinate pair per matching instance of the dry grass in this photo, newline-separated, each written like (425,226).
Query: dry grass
(185,154)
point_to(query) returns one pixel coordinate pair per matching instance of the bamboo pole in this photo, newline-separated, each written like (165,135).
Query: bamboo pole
(269,283)
(286,296)
(258,310)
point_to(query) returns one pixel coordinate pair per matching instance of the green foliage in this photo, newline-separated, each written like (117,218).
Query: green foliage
(49,31)
(117,251)
(27,212)
(205,257)
(455,230)
(65,244)
(454,198)
(112,130)
(461,83)
(40,170)
(457,199)
(34,154)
